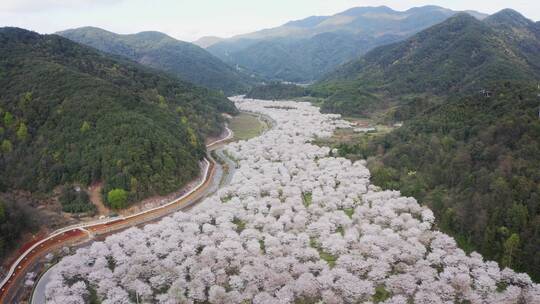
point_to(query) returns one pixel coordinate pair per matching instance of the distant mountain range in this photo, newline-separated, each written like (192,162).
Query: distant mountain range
(185,60)
(207,41)
(304,50)
(459,55)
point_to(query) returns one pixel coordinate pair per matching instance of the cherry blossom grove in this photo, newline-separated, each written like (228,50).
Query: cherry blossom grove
(295,225)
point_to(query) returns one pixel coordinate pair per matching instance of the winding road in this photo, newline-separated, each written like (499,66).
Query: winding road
(83,232)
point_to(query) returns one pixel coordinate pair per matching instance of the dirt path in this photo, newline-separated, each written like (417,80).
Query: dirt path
(96,199)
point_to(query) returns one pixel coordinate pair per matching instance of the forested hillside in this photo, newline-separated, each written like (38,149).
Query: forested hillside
(475,162)
(468,93)
(460,55)
(304,50)
(157,50)
(276,91)
(72,114)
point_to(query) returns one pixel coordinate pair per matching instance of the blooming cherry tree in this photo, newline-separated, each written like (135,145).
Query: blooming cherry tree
(293,224)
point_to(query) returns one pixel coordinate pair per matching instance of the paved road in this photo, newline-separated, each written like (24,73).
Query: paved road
(38,297)
(230,164)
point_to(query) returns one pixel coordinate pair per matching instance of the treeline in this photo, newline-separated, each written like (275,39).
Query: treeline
(475,161)
(277,91)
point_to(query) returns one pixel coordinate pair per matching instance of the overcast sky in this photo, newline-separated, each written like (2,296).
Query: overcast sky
(191,19)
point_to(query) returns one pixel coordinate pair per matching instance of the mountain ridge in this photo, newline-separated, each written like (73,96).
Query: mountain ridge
(158,50)
(461,54)
(207,41)
(304,50)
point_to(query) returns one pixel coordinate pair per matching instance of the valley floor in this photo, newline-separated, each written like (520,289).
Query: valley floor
(294,226)
(246,126)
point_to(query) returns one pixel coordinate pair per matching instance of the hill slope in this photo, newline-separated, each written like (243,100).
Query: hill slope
(474,161)
(70,114)
(304,50)
(207,41)
(276,91)
(157,50)
(468,93)
(459,55)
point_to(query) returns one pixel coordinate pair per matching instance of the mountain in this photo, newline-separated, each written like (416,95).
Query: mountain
(207,41)
(71,114)
(157,50)
(304,50)
(459,55)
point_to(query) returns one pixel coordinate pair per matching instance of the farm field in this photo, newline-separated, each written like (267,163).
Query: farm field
(246,126)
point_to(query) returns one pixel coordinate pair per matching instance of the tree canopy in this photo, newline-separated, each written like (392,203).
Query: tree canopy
(474,161)
(117,198)
(461,55)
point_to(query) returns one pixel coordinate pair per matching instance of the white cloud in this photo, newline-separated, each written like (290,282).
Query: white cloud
(18,6)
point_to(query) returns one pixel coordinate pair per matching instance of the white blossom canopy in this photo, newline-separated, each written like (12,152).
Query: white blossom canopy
(293,225)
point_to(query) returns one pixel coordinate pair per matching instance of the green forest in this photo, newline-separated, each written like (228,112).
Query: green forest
(461,55)
(182,59)
(276,91)
(467,92)
(15,219)
(475,161)
(70,114)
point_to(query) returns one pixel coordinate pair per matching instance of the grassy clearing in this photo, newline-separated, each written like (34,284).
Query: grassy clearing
(349,136)
(240,225)
(246,126)
(325,256)
(307,198)
(349,212)
(381,294)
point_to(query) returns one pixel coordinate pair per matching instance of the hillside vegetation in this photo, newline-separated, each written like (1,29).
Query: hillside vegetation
(460,55)
(276,91)
(468,93)
(469,147)
(157,50)
(474,161)
(304,50)
(70,114)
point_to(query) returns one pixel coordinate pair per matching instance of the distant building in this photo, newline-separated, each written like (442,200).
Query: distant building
(365,130)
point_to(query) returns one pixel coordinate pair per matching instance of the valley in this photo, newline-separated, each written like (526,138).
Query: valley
(294,224)
(246,126)
(369,155)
